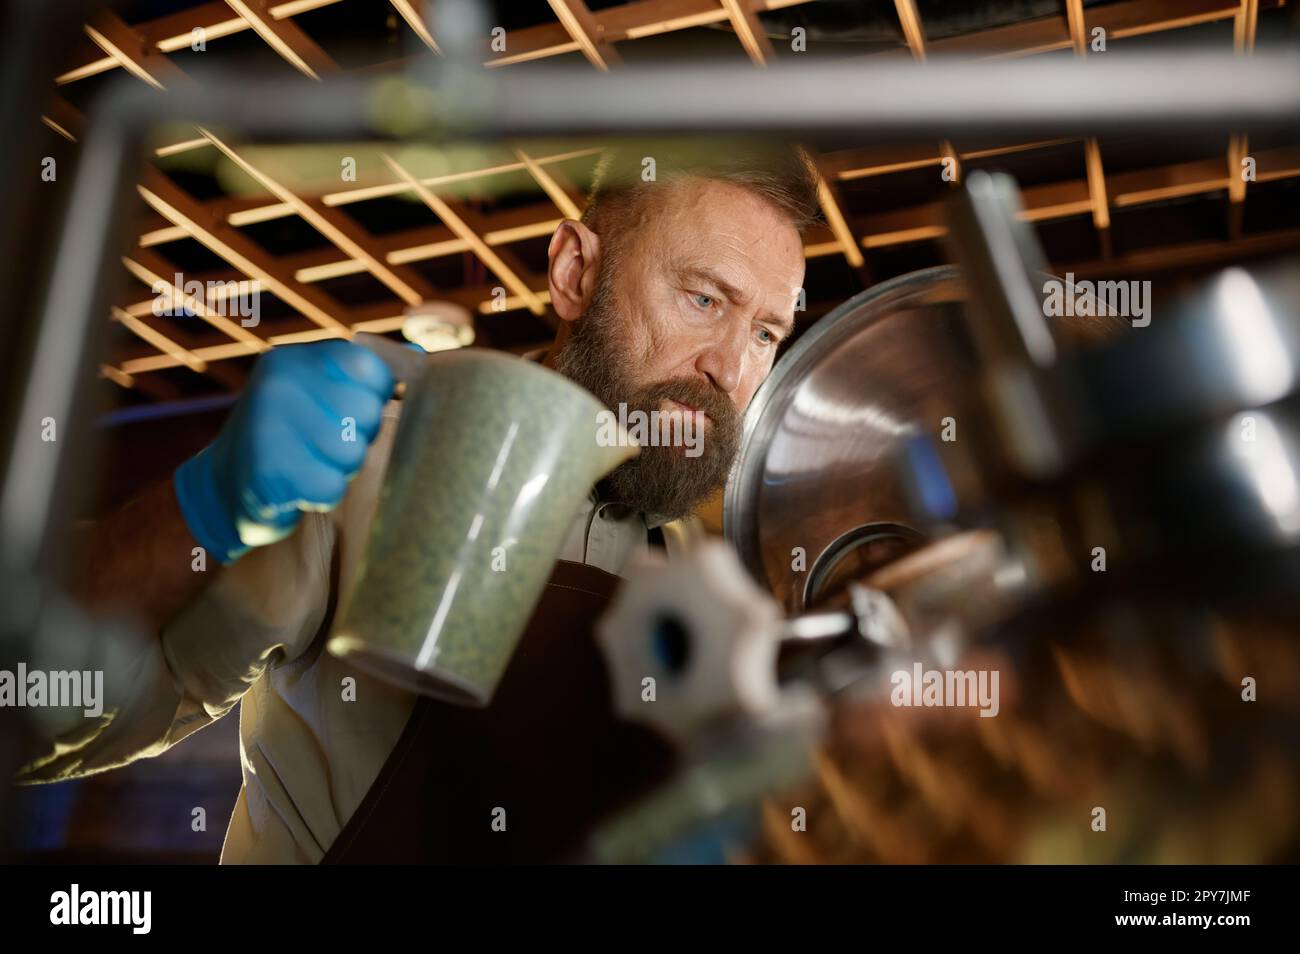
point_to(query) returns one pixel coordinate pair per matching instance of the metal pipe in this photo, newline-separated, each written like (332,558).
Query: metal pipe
(37,490)
(1034,95)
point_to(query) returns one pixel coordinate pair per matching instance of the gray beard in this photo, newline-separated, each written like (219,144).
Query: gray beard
(661,481)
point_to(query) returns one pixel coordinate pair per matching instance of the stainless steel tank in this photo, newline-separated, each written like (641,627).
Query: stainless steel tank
(815,497)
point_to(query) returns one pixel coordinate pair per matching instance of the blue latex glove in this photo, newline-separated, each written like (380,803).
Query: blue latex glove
(284,448)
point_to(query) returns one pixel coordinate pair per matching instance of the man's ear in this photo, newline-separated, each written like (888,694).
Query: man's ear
(574,267)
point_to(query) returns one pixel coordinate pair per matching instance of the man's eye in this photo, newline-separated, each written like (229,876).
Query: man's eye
(703,301)
(769,339)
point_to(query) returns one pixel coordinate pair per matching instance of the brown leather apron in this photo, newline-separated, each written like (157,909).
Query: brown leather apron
(548,750)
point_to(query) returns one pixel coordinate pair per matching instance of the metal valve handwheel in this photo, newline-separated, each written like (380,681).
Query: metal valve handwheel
(690,643)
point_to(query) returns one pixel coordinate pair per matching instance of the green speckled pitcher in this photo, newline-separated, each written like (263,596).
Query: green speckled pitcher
(492,458)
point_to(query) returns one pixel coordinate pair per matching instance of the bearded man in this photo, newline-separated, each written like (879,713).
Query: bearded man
(674,293)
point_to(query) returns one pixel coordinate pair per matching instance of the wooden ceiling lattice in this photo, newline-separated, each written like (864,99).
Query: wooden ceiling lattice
(490,238)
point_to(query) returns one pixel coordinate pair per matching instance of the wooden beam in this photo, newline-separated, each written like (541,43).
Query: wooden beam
(838,225)
(909,18)
(1243,40)
(443,209)
(1012,148)
(1058,200)
(416,244)
(563,201)
(1167,182)
(344,234)
(160,341)
(1123,19)
(64,118)
(1075,21)
(152,270)
(379,190)
(846,164)
(917,223)
(184,145)
(116,375)
(1245,25)
(1097,194)
(379,318)
(245,211)
(156,388)
(58,129)
(585,31)
(1280,163)
(629,21)
(626,21)
(749,30)
(286,38)
(176,32)
(1140,17)
(1091,148)
(947,152)
(416,23)
(180,209)
(1238,150)
(914,34)
(131,51)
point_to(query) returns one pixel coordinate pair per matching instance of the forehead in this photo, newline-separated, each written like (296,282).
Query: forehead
(727,227)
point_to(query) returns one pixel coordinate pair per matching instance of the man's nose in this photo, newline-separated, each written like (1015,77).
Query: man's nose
(723,360)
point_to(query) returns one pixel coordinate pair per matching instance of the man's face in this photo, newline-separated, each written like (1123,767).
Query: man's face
(686,320)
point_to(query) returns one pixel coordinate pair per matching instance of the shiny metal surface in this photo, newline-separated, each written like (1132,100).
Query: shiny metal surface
(817,459)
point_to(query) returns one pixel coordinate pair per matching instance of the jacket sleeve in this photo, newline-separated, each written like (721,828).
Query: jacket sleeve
(264,610)
(159,687)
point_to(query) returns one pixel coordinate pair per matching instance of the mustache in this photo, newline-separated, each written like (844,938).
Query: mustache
(693,393)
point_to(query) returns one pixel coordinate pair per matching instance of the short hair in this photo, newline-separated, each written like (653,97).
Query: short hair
(781,174)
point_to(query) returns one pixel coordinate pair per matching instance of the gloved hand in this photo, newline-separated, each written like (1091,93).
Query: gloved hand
(285,447)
